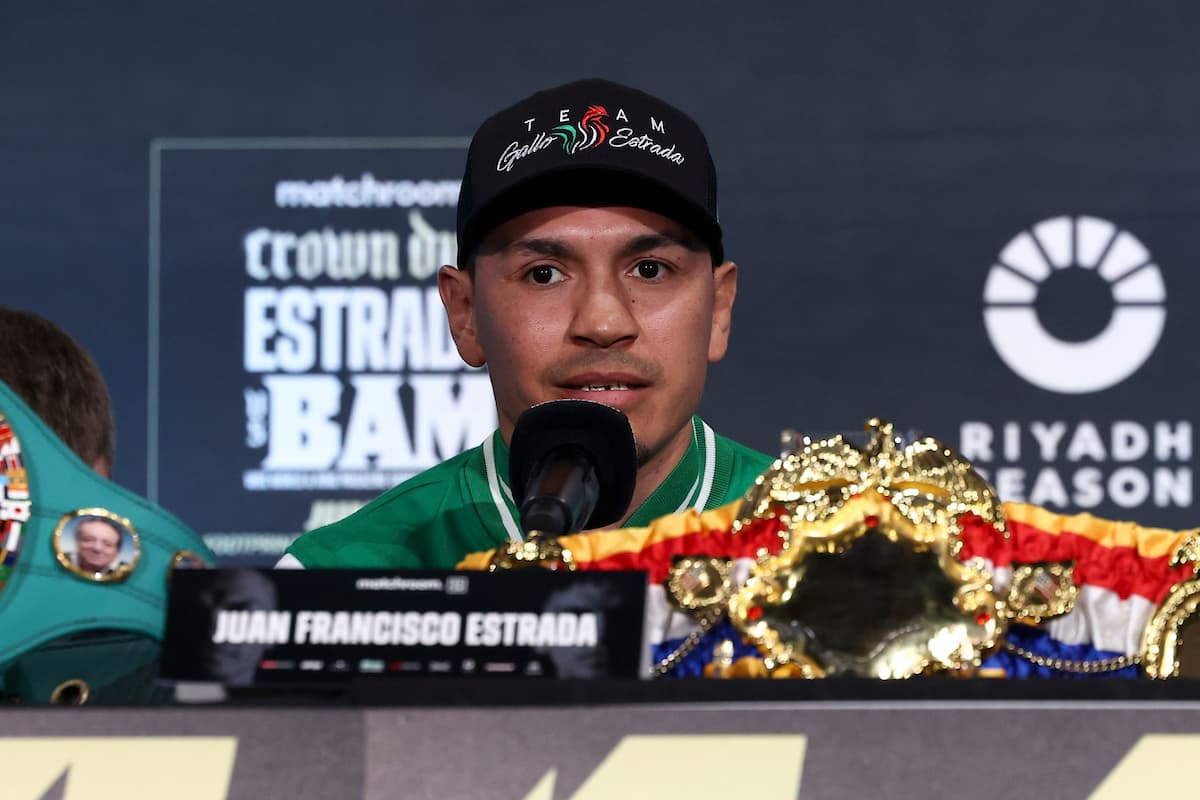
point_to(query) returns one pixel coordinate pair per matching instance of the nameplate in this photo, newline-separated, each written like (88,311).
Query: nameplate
(251,627)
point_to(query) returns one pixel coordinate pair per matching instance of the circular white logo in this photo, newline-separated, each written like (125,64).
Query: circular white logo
(1055,247)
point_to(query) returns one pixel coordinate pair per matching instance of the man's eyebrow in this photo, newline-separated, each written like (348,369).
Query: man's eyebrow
(557,248)
(551,248)
(652,241)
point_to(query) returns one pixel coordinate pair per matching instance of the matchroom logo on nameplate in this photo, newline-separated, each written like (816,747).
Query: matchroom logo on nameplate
(300,360)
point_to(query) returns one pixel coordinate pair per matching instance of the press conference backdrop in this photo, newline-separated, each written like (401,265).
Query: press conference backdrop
(978,221)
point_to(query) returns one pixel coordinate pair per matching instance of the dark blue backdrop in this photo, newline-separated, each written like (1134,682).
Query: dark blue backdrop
(875,160)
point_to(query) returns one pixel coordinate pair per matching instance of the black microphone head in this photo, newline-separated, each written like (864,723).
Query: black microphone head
(601,431)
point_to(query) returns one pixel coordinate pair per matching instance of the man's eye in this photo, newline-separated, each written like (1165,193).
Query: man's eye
(544,274)
(650,270)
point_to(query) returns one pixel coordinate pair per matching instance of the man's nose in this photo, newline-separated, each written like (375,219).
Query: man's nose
(603,314)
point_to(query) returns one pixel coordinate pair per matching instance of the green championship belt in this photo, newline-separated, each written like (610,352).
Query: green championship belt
(84,566)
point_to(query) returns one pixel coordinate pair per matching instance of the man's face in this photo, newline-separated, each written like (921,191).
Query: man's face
(613,304)
(238,590)
(97,544)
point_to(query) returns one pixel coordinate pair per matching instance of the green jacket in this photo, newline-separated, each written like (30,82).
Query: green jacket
(464,505)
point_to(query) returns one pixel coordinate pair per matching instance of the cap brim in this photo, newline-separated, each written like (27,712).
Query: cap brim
(591,185)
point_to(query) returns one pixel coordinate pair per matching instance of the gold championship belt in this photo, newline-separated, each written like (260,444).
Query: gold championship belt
(537,550)
(868,580)
(1166,652)
(869,577)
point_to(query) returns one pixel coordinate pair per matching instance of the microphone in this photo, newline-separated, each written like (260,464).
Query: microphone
(572,466)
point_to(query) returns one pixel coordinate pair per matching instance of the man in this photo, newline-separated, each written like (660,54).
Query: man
(590,266)
(97,545)
(57,378)
(244,590)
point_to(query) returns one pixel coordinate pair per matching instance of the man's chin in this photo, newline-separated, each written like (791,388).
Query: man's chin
(644,454)
(648,452)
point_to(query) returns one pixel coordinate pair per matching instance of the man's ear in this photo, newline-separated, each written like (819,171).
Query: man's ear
(724,292)
(458,296)
(102,467)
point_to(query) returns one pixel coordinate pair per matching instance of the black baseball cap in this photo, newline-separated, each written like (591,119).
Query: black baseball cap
(592,142)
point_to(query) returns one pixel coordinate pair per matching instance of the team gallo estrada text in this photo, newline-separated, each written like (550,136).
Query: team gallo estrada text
(361,386)
(592,130)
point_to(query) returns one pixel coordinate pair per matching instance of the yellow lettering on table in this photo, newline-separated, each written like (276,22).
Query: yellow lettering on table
(697,767)
(119,768)
(1157,766)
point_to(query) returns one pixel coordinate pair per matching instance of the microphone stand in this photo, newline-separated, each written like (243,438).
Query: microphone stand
(563,495)
(572,466)
(538,550)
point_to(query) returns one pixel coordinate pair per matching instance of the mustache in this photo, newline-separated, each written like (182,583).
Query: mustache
(646,370)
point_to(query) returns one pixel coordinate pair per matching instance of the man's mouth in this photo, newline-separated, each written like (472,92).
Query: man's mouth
(604,382)
(604,387)
(615,389)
